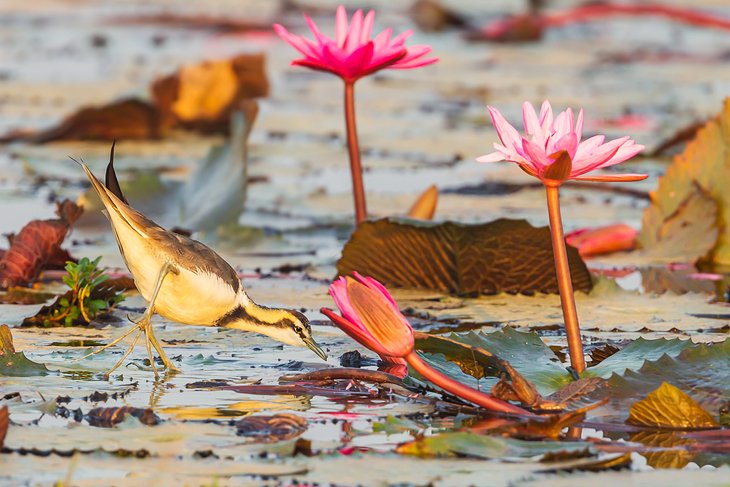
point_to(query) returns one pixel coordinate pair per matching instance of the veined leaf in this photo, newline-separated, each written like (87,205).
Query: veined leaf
(669,407)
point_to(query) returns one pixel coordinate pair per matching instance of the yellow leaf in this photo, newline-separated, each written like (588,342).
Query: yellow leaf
(205,90)
(669,407)
(425,206)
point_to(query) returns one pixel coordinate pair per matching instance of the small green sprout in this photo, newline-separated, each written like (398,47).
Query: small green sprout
(87,298)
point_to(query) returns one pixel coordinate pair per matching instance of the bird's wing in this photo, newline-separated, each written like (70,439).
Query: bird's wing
(183,251)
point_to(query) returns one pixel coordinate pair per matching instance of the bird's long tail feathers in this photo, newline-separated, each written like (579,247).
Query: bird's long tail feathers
(113,204)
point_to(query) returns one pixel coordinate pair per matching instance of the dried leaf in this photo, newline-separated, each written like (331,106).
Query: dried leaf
(126,119)
(669,448)
(703,165)
(109,417)
(270,429)
(500,256)
(203,96)
(36,243)
(669,407)
(686,235)
(425,206)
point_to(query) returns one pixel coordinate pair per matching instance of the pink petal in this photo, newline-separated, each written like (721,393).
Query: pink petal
(579,125)
(338,291)
(586,147)
(321,38)
(412,53)
(568,143)
(383,39)
(353,36)
(367,27)
(506,132)
(341,26)
(535,155)
(491,157)
(416,63)
(546,117)
(598,157)
(358,60)
(355,331)
(299,43)
(400,39)
(532,124)
(376,286)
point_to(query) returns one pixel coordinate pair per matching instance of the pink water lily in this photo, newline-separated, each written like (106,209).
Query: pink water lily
(352,53)
(547,137)
(371,316)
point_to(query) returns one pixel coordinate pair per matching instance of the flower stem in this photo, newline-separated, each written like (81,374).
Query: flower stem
(565,285)
(465,392)
(353,146)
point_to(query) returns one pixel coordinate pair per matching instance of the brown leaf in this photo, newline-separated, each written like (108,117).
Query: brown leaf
(425,206)
(669,407)
(36,243)
(4,421)
(669,449)
(124,119)
(270,429)
(109,417)
(686,235)
(703,165)
(500,256)
(600,354)
(576,390)
(203,96)
(560,169)
(6,341)
(432,16)
(24,295)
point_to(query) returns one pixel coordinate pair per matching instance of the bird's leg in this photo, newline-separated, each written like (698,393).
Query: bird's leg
(145,323)
(126,354)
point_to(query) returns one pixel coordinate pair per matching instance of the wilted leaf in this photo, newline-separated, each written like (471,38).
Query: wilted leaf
(109,417)
(125,119)
(425,206)
(703,165)
(686,235)
(16,364)
(203,96)
(500,256)
(270,429)
(669,407)
(37,242)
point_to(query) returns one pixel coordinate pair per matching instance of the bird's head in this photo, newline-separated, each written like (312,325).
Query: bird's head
(297,331)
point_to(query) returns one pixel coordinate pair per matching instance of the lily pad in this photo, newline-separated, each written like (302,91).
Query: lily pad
(16,364)
(500,256)
(669,407)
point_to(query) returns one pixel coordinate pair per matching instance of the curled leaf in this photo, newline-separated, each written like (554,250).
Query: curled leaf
(669,407)
(425,206)
(37,243)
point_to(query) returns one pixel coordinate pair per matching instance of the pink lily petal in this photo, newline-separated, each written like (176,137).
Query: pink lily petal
(338,291)
(568,143)
(491,157)
(353,37)
(341,26)
(506,132)
(367,27)
(535,155)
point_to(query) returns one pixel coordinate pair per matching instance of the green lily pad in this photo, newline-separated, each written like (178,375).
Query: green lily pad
(16,364)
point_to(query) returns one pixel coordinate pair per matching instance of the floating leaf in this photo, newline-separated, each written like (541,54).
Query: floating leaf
(16,364)
(633,355)
(669,407)
(700,172)
(479,363)
(669,449)
(500,256)
(37,243)
(270,429)
(109,417)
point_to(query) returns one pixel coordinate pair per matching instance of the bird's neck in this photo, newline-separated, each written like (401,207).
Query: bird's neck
(253,317)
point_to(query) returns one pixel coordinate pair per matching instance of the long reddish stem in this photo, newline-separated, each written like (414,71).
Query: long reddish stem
(458,389)
(565,285)
(353,146)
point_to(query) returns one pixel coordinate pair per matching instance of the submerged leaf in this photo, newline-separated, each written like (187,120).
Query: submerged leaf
(500,256)
(697,174)
(270,429)
(669,407)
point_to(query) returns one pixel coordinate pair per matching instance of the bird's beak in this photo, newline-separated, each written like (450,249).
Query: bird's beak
(309,342)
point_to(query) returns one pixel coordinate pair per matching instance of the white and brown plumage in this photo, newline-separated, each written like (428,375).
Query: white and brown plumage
(187,282)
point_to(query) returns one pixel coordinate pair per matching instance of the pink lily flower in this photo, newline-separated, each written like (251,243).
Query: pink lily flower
(352,54)
(371,316)
(547,138)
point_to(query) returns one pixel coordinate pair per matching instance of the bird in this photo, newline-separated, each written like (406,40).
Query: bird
(185,281)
